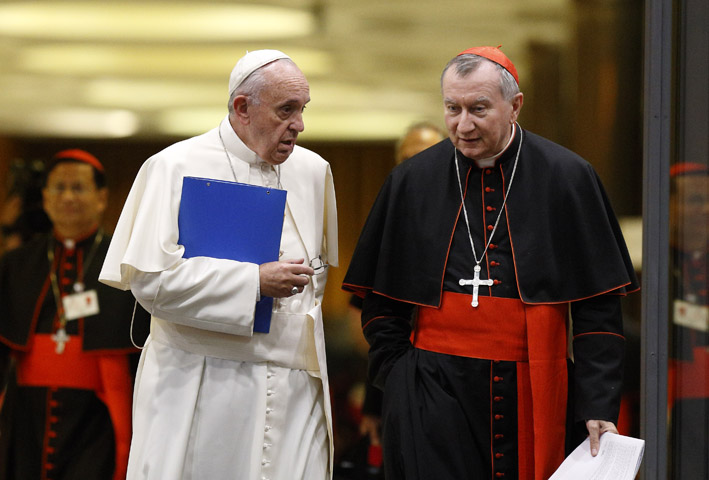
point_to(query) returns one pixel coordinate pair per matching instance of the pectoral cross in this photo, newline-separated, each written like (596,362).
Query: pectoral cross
(60,338)
(475,282)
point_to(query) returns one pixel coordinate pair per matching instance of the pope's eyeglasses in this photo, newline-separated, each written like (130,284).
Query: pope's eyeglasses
(318,265)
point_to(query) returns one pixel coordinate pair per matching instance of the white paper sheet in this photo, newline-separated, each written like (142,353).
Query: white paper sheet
(618,458)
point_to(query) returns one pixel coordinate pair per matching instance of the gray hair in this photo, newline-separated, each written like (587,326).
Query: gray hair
(469,62)
(252,85)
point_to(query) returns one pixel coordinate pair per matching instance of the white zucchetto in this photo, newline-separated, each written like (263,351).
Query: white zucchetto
(251,62)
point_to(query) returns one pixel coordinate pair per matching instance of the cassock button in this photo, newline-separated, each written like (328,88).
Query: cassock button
(498,399)
(490,228)
(492,246)
(267,428)
(488,189)
(499,474)
(496,282)
(499,417)
(490,209)
(269,410)
(269,392)
(496,379)
(499,436)
(499,455)
(488,171)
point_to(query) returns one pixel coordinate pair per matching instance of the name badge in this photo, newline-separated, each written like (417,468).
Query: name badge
(692,316)
(82,304)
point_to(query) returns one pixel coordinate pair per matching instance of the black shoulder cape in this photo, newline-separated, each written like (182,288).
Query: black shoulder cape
(22,274)
(567,244)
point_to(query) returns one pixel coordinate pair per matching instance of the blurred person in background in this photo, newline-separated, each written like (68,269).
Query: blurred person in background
(65,339)
(359,462)
(417,138)
(689,364)
(21,214)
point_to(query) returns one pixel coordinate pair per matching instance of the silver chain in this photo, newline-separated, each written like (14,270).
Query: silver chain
(226,152)
(504,202)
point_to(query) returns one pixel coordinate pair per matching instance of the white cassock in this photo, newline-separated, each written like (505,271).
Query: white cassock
(213,400)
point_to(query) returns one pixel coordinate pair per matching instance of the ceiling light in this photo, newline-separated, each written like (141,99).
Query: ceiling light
(319,125)
(73,122)
(146,95)
(145,21)
(152,61)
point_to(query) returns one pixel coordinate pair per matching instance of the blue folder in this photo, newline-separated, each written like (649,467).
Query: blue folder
(235,221)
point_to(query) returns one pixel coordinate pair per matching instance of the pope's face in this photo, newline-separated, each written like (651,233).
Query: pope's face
(277,119)
(478,118)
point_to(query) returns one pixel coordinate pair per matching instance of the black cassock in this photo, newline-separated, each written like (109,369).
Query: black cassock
(557,241)
(51,431)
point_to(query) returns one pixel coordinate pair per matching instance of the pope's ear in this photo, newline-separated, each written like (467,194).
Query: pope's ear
(241,108)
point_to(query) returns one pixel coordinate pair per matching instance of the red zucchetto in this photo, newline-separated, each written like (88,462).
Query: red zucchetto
(494,54)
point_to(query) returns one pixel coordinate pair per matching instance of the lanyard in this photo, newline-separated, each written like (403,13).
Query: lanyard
(80,274)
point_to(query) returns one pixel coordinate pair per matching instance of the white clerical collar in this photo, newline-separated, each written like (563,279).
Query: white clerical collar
(490,161)
(235,145)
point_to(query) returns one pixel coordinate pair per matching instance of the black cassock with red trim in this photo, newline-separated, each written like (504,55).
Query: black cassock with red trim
(557,240)
(64,415)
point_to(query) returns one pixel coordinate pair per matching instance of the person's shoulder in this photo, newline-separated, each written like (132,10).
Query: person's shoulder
(179,150)
(556,161)
(303,155)
(544,148)
(171,160)
(303,162)
(32,247)
(431,158)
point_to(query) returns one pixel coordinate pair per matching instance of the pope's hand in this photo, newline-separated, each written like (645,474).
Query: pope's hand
(279,278)
(596,428)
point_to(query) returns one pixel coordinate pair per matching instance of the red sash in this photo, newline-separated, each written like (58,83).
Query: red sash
(41,366)
(535,336)
(107,375)
(690,379)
